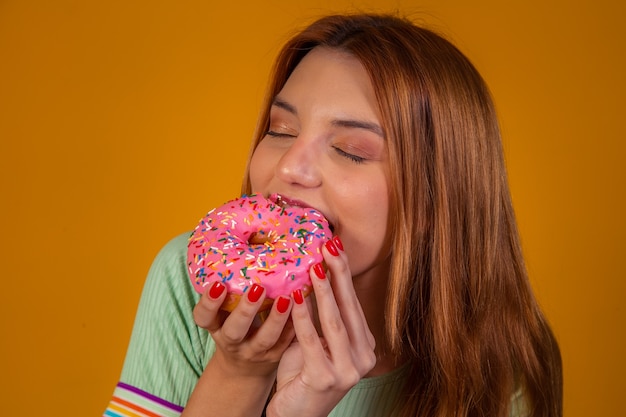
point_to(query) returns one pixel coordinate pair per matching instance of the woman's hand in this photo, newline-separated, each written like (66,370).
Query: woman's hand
(245,346)
(239,376)
(317,371)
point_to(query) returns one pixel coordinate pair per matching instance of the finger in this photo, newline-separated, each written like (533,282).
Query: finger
(330,317)
(274,335)
(328,364)
(206,310)
(237,326)
(306,333)
(348,304)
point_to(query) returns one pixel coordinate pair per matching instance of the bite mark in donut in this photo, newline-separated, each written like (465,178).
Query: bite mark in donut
(252,239)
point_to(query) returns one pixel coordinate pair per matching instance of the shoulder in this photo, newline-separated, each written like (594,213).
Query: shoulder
(168,291)
(168,297)
(173,253)
(168,272)
(167,351)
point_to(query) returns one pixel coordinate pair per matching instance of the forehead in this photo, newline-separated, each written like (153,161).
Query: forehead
(332,79)
(330,63)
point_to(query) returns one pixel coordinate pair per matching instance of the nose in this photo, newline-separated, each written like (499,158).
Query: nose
(300,164)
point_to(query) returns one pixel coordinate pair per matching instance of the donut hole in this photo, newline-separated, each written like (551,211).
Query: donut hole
(259,238)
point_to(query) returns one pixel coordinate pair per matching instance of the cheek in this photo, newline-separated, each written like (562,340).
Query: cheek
(368,245)
(366,214)
(370,200)
(373,225)
(260,169)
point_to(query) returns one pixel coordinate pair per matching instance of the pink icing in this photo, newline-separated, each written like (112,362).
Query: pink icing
(219,248)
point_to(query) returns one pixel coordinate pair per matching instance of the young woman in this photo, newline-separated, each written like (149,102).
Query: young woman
(424,308)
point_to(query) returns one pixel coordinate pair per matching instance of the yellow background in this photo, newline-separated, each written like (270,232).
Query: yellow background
(123,122)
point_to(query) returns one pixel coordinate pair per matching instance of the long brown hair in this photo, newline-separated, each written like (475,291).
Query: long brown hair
(459,301)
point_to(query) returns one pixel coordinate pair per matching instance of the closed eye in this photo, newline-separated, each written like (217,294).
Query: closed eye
(274,134)
(352,157)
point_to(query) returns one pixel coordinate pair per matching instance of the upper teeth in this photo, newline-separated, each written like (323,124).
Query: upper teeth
(280,201)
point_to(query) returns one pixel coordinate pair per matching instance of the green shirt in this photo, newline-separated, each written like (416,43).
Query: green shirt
(168,352)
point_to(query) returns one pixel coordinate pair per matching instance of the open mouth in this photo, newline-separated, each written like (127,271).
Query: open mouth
(279,200)
(285,202)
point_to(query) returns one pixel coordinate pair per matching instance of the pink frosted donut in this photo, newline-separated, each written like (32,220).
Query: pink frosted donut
(254,240)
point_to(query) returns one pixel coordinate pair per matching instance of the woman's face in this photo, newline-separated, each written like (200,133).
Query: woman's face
(325,149)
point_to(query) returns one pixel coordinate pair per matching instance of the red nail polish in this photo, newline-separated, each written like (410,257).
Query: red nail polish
(254,293)
(216,290)
(338,242)
(319,271)
(332,248)
(297,297)
(282,304)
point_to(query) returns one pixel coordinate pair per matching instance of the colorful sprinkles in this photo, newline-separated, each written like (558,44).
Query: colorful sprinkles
(222,246)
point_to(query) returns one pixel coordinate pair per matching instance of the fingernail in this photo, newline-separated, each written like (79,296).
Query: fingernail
(332,248)
(297,297)
(338,242)
(216,290)
(254,293)
(319,271)
(282,305)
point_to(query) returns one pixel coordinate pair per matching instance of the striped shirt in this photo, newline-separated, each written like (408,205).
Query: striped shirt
(129,401)
(168,352)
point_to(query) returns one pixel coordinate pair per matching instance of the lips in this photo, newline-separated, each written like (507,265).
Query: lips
(285,202)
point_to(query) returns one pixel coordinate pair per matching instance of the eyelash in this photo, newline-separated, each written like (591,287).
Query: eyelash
(273,134)
(354,158)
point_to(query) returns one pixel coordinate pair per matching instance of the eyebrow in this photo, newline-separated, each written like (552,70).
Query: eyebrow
(358,124)
(284,105)
(347,123)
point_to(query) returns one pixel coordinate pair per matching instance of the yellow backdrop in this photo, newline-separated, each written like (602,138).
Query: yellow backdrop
(122,122)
